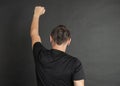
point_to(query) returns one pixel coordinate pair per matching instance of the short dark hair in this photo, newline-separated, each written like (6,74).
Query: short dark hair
(60,34)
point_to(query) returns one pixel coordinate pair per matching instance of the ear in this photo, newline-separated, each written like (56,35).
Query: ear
(50,38)
(68,42)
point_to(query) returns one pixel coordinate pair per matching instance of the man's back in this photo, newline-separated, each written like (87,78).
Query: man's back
(56,68)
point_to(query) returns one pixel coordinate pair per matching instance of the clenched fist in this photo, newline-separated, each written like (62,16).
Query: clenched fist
(39,10)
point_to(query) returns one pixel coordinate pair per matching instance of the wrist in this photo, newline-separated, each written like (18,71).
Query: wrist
(36,16)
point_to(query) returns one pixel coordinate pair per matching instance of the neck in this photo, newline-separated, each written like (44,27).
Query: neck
(59,47)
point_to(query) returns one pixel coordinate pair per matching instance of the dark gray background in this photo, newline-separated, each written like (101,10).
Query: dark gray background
(95,29)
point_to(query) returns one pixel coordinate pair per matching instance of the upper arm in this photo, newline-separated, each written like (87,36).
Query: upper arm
(38,49)
(35,38)
(78,74)
(78,82)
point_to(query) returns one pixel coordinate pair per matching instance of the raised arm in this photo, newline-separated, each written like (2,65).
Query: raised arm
(34,31)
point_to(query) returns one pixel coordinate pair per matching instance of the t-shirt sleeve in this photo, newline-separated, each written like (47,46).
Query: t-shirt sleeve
(78,71)
(37,49)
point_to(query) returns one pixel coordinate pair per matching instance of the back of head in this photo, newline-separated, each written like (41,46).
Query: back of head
(60,34)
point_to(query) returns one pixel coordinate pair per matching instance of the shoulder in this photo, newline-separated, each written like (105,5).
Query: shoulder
(75,60)
(37,44)
(38,47)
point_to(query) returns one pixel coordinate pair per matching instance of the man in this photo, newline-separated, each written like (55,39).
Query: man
(54,67)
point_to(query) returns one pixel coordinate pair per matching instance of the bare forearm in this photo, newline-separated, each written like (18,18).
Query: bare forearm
(34,26)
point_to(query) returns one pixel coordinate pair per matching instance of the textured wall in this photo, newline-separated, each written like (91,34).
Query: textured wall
(95,29)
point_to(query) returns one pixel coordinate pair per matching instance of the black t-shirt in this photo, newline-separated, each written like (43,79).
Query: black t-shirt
(56,68)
